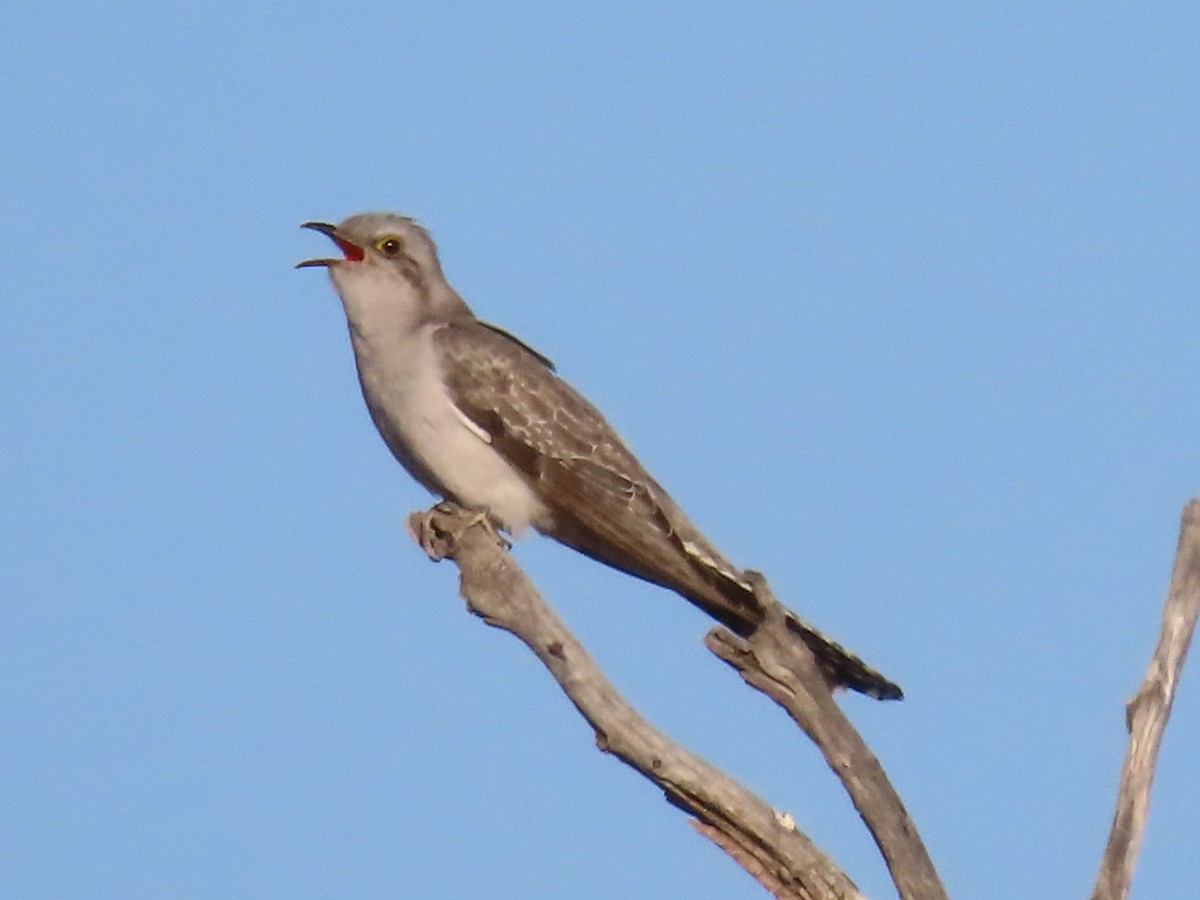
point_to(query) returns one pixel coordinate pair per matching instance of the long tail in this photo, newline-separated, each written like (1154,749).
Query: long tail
(696,571)
(734,604)
(843,667)
(658,543)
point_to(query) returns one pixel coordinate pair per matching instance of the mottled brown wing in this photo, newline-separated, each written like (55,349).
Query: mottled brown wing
(603,502)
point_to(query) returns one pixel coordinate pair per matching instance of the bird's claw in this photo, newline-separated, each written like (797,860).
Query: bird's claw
(439,530)
(484,518)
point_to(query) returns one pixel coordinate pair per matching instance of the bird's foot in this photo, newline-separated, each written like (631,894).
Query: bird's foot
(439,530)
(476,515)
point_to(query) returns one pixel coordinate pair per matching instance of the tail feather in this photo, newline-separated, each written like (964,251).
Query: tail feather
(676,556)
(726,595)
(843,667)
(743,613)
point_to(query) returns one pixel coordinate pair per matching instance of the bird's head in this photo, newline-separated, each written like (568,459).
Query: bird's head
(387,261)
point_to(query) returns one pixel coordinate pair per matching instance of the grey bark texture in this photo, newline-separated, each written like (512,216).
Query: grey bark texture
(1147,713)
(764,841)
(761,839)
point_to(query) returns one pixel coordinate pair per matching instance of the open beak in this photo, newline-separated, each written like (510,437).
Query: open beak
(350,250)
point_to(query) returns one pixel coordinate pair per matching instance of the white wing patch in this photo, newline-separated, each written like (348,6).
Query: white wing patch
(695,551)
(471,426)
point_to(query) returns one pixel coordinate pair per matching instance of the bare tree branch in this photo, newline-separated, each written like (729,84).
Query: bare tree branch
(772,661)
(764,842)
(1147,713)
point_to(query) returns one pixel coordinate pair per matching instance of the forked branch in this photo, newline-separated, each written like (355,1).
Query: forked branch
(763,841)
(774,662)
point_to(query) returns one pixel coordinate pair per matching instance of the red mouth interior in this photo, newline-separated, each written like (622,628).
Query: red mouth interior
(353,252)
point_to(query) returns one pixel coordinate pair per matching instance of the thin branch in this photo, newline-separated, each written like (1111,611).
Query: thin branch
(765,842)
(772,661)
(1147,713)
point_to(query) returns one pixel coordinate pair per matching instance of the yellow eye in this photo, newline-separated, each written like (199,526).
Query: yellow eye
(390,246)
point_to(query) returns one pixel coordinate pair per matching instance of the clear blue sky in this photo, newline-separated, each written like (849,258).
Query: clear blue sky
(900,303)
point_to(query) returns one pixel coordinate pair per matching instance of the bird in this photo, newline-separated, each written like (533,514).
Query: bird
(479,417)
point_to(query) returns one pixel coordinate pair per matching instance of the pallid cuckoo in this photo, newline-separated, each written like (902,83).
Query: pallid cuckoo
(478,417)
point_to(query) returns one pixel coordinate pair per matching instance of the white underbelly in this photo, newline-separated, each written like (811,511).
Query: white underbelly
(448,454)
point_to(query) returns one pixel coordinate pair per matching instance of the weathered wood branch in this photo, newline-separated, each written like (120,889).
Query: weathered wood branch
(1147,713)
(772,661)
(763,841)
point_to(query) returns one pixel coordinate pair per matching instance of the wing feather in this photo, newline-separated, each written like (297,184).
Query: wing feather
(602,500)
